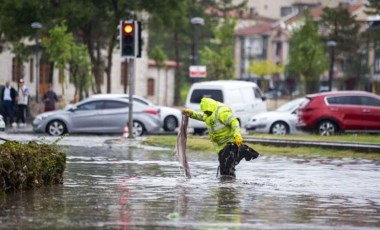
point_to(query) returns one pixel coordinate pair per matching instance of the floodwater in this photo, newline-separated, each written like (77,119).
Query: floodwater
(117,186)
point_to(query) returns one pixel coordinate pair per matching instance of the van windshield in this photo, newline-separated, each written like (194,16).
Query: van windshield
(198,94)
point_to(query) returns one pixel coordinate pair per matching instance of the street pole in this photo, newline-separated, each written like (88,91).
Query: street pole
(331,44)
(195,54)
(131,75)
(37,26)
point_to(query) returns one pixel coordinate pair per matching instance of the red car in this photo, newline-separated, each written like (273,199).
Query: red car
(340,111)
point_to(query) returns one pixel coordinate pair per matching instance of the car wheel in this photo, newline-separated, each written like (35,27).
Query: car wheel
(56,128)
(327,128)
(279,128)
(138,129)
(170,123)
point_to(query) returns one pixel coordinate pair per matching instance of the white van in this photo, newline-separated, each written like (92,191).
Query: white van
(245,99)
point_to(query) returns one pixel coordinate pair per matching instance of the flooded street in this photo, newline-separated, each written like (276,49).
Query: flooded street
(114,185)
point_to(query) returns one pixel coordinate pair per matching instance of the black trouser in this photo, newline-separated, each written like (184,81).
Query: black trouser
(231,155)
(8,112)
(21,113)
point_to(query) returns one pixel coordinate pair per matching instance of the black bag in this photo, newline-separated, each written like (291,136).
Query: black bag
(231,155)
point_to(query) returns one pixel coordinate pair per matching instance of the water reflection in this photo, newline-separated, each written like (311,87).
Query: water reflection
(135,188)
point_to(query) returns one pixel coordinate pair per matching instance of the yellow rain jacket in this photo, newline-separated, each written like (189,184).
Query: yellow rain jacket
(221,124)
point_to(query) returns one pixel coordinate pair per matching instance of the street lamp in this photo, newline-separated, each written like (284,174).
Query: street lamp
(196,21)
(195,57)
(37,26)
(331,44)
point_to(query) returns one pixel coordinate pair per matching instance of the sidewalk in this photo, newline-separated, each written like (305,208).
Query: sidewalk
(28,129)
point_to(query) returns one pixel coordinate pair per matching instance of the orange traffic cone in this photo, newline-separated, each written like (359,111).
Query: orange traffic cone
(126,131)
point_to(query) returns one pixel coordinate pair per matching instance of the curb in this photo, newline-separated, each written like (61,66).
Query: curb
(360,147)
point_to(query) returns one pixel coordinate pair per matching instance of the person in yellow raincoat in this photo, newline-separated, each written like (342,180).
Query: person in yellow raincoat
(224,131)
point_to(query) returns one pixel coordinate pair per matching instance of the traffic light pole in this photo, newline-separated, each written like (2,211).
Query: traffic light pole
(130,48)
(131,85)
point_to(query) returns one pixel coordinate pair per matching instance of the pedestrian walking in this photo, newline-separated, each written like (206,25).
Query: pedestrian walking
(22,104)
(50,98)
(9,98)
(224,131)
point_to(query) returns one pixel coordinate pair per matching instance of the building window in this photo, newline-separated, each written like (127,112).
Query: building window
(286,10)
(252,10)
(150,87)
(17,69)
(31,70)
(46,76)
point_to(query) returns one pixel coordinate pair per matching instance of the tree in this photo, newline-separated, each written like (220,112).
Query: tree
(58,45)
(307,56)
(80,71)
(171,30)
(219,57)
(92,22)
(178,32)
(263,68)
(342,27)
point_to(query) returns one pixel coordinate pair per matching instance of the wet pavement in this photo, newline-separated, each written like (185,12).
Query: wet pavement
(112,183)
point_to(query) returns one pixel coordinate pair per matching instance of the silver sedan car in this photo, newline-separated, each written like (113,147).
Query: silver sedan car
(170,117)
(98,115)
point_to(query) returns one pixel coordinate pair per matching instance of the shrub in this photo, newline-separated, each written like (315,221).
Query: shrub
(30,165)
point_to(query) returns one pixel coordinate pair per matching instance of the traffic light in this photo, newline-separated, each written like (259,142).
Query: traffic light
(128,39)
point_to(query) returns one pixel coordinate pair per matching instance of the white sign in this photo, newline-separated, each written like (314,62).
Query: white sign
(197,71)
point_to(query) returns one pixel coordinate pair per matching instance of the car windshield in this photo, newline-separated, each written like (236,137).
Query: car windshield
(290,105)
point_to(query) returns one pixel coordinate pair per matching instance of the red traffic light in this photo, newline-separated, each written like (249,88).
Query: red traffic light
(128,28)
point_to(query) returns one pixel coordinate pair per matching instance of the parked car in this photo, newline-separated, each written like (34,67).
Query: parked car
(2,123)
(170,117)
(280,121)
(340,111)
(272,93)
(98,115)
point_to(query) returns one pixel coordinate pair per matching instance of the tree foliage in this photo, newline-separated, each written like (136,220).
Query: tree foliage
(264,67)
(219,57)
(80,70)
(342,27)
(58,45)
(307,56)
(93,23)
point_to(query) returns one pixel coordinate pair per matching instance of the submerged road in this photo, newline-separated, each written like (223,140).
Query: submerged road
(116,183)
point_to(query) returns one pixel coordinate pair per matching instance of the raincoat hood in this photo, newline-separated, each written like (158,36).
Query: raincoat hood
(208,104)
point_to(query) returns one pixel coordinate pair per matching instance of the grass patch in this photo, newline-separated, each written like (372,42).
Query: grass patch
(351,138)
(203,144)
